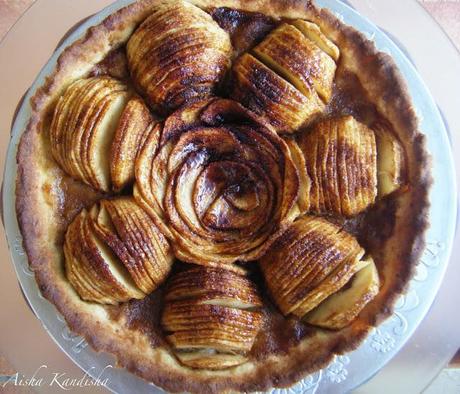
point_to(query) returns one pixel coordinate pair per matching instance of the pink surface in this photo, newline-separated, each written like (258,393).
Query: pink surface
(447,14)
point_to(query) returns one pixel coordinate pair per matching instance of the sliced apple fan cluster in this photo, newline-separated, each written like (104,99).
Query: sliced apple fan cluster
(115,252)
(288,77)
(96,130)
(322,258)
(210,316)
(178,53)
(214,183)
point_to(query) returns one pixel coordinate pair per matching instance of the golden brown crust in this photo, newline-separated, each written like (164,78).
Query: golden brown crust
(40,212)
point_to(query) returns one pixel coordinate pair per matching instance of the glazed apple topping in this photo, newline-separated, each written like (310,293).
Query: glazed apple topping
(115,252)
(134,126)
(220,181)
(210,316)
(341,308)
(268,94)
(217,182)
(289,77)
(341,160)
(178,53)
(83,126)
(97,128)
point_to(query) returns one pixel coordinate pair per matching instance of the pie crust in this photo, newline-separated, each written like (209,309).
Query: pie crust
(47,200)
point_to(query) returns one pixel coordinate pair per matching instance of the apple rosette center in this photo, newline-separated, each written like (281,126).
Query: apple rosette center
(220,182)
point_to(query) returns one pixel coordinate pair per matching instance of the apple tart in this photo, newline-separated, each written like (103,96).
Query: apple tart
(225,194)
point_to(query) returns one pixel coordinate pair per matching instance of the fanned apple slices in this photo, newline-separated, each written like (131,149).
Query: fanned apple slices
(345,165)
(219,181)
(178,53)
(390,161)
(83,126)
(115,252)
(263,91)
(290,76)
(311,261)
(341,161)
(210,318)
(97,131)
(298,59)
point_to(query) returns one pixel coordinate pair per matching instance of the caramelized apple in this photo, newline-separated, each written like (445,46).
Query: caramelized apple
(341,308)
(94,271)
(263,91)
(116,252)
(311,261)
(177,54)
(288,52)
(314,33)
(209,317)
(341,160)
(220,182)
(390,162)
(133,128)
(83,126)
(303,201)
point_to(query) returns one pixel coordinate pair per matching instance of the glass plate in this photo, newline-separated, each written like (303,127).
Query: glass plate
(345,372)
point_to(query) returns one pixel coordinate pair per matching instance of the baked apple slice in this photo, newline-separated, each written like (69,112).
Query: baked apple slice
(311,261)
(288,52)
(263,91)
(341,160)
(314,33)
(298,158)
(76,271)
(210,318)
(67,112)
(83,127)
(96,144)
(228,286)
(207,359)
(177,54)
(146,244)
(86,107)
(390,162)
(134,126)
(341,308)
